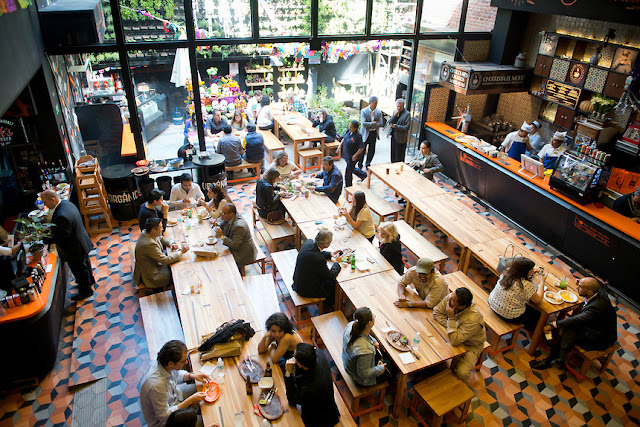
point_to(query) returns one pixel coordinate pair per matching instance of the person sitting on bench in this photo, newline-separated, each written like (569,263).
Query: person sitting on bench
(184,193)
(361,351)
(155,207)
(230,146)
(332,179)
(236,235)
(428,283)
(268,200)
(280,340)
(594,327)
(218,197)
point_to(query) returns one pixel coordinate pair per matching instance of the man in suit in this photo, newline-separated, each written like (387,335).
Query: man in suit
(312,278)
(371,119)
(593,328)
(71,240)
(426,161)
(399,132)
(152,264)
(235,234)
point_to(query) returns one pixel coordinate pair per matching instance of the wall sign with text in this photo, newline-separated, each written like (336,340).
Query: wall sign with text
(562,94)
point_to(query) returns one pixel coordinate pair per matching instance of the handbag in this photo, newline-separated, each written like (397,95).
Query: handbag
(225,349)
(275,217)
(505,261)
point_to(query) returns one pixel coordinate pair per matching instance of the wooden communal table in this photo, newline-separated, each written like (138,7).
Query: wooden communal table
(198,233)
(317,207)
(348,238)
(409,184)
(460,223)
(299,130)
(378,292)
(489,253)
(418,245)
(223,297)
(377,204)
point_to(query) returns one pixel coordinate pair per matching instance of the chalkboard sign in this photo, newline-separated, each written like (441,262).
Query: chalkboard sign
(562,94)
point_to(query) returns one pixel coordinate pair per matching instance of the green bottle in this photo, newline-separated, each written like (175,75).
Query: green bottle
(290,188)
(353,262)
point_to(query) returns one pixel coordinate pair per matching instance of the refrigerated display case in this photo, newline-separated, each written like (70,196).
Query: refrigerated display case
(580,177)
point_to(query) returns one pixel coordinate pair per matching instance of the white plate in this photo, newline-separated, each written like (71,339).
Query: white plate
(38,213)
(572,297)
(548,296)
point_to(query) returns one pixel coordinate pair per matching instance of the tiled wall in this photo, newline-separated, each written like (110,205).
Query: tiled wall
(437,109)
(475,102)
(518,107)
(476,50)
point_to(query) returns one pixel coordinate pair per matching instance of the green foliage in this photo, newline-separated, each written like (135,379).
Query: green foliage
(160,8)
(33,232)
(341,118)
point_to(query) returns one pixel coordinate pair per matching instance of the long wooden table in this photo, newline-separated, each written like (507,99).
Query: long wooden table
(418,245)
(378,292)
(299,130)
(457,221)
(317,207)
(489,253)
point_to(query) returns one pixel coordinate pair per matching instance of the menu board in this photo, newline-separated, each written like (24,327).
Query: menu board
(562,94)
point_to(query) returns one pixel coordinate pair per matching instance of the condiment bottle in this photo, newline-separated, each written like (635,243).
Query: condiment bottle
(267,371)
(249,386)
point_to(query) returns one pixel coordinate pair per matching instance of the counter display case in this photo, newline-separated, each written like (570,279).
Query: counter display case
(580,177)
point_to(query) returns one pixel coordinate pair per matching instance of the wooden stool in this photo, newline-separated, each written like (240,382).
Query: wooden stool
(331,149)
(442,393)
(588,356)
(309,154)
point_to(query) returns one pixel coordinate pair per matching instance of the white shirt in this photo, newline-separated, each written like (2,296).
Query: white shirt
(264,116)
(284,171)
(510,138)
(178,195)
(548,150)
(159,394)
(5,251)
(511,303)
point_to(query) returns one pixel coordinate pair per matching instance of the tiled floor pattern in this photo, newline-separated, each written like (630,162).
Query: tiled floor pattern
(110,344)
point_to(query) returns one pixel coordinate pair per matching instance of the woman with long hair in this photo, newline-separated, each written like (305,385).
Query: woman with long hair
(514,291)
(390,246)
(238,122)
(360,351)
(360,216)
(280,340)
(285,166)
(217,199)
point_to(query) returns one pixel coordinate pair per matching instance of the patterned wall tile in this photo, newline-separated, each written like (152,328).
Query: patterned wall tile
(596,79)
(437,109)
(518,107)
(559,69)
(476,104)
(476,50)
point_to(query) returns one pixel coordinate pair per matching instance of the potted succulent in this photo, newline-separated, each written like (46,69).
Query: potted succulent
(33,233)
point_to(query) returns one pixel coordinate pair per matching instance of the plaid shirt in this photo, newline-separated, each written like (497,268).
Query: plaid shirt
(300,107)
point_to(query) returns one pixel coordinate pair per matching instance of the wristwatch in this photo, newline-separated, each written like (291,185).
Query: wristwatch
(410,304)
(287,374)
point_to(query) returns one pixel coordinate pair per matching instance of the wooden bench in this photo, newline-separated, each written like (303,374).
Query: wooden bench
(161,321)
(285,263)
(331,327)
(309,154)
(142,289)
(588,356)
(377,204)
(418,245)
(244,165)
(271,143)
(492,321)
(261,258)
(442,393)
(262,291)
(276,232)
(345,415)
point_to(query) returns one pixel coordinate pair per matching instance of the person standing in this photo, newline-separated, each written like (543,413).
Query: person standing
(535,139)
(236,235)
(253,106)
(371,119)
(517,143)
(465,326)
(71,240)
(629,205)
(351,148)
(308,382)
(399,131)
(549,154)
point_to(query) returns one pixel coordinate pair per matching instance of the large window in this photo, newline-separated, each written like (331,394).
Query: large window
(440,16)
(152,20)
(393,16)
(222,18)
(284,17)
(342,16)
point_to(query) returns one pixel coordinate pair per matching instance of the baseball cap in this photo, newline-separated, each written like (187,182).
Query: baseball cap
(424,266)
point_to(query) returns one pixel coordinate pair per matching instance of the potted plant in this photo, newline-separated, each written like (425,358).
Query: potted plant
(269,91)
(33,233)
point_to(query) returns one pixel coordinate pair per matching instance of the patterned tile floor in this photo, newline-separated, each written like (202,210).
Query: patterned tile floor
(104,338)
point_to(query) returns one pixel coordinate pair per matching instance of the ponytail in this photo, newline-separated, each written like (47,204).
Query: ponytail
(362,317)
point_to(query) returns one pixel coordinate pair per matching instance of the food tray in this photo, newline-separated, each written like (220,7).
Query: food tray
(257,372)
(393,338)
(273,410)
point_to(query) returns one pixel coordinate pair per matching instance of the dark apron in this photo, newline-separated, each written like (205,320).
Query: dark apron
(517,149)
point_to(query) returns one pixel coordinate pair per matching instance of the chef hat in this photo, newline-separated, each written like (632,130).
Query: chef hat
(536,123)
(526,127)
(559,136)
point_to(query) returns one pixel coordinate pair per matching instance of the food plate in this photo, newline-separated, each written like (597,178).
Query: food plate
(140,170)
(553,298)
(396,339)
(159,169)
(212,391)
(252,368)
(204,212)
(142,163)
(38,213)
(568,296)
(62,186)
(467,139)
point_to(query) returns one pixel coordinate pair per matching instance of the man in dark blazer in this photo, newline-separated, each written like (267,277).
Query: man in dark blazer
(371,120)
(399,131)
(71,240)
(312,278)
(236,235)
(593,328)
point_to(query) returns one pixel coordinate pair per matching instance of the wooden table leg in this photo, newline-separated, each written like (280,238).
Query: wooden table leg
(338,297)
(276,129)
(537,334)
(410,214)
(400,391)
(442,266)
(368,182)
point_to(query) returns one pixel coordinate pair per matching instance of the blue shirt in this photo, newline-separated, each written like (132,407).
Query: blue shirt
(254,147)
(217,127)
(351,143)
(332,183)
(300,107)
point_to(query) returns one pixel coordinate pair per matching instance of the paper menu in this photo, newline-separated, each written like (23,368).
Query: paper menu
(407,358)
(208,368)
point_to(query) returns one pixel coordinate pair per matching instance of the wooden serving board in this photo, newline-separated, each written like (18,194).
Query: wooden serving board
(255,375)
(273,410)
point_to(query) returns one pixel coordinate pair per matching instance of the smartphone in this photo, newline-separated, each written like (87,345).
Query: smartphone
(340,252)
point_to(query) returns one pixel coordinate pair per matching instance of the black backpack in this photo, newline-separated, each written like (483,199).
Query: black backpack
(226,331)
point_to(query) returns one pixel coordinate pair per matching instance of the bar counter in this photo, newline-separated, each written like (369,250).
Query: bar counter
(600,239)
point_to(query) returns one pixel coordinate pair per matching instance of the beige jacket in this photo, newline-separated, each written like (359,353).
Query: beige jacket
(466,327)
(431,292)
(152,264)
(237,237)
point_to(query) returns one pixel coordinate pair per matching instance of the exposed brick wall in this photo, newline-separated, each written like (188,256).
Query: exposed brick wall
(518,107)
(481,16)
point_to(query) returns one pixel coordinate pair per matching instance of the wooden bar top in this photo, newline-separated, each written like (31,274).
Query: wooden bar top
(32,308)
(609,216)
(378,292)
(408,183)
(351,239)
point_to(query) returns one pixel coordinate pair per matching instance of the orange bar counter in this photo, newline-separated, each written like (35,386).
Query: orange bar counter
(602,240)
(31,331)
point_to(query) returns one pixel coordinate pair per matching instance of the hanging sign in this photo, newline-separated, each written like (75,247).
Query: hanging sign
(483,77)
(562,94)
(7,132)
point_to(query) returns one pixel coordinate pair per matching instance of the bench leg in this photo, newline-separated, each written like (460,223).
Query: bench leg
(442,266)
(400,391)
(605,362)
(585,367)
(242,271)
(495,342)
(437,420)
(298,318)
(465,410)
(320,307)
(263,266)
(355,405)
